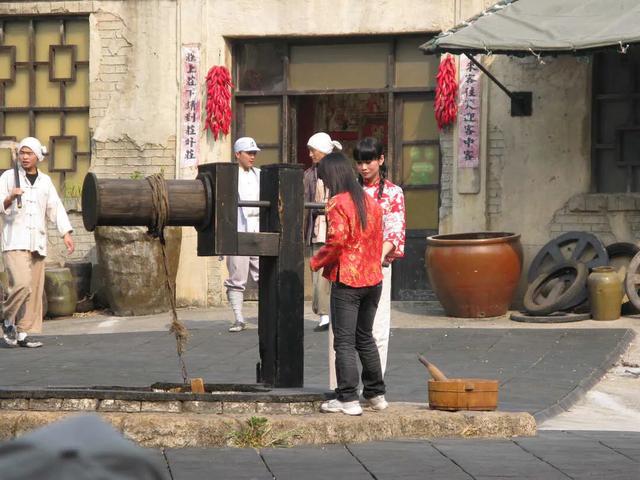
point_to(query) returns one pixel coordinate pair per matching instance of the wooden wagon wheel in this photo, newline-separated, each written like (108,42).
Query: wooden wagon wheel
(561,289)
(632,282)
(580,247)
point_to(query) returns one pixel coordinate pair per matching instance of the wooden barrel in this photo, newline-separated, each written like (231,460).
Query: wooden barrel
(463,394)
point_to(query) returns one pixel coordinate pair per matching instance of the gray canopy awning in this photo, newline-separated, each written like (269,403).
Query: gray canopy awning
(544,27)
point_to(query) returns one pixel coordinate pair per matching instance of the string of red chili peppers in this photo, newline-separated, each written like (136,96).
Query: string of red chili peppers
(445,106)
(218,108)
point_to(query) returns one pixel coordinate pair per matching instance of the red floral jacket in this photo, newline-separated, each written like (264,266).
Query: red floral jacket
(351,255)
(393,215)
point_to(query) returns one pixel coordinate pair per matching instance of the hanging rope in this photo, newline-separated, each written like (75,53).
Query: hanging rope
(160,201)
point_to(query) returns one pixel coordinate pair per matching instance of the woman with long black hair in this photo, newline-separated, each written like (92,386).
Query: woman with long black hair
(372,170)
(351,260)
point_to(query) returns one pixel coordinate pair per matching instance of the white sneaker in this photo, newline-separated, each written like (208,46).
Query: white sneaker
(336,406)
(377,403)
(237,327)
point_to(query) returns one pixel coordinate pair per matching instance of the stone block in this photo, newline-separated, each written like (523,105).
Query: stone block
(238,407)
(110,405)
(621,203)
(202,407)
(302,408)
(273,408)
(572,227)
(45,404)
(594,203)
(172,407)
(79,404)
(177,431)
(577,203)
(14,404)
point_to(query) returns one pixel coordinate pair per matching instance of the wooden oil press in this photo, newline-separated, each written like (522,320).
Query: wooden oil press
(210,203)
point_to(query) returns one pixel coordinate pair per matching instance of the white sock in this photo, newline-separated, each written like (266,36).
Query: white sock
(7,322)
(22,336)
(324,319)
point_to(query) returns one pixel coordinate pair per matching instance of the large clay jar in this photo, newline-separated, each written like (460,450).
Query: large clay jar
(132,268)
(605,293)
(474,275)
(81,273)
(60,289)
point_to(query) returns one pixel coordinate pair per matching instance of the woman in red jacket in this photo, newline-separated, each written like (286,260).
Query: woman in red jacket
(351,260)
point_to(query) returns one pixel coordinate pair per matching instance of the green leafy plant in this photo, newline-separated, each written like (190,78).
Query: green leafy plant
(256,432)
(136,175)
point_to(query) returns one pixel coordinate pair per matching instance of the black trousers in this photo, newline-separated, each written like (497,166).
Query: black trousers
(352,313)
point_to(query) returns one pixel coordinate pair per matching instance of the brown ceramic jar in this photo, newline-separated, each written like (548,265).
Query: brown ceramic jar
(474,275)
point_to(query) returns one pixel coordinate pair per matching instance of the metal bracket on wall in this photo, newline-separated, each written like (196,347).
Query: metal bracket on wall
(521,102)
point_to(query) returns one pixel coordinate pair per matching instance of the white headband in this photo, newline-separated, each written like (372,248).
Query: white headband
(323,143)
(35,146)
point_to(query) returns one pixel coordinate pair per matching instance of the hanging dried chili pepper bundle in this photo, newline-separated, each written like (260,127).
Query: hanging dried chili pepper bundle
(445,106)
(218,115)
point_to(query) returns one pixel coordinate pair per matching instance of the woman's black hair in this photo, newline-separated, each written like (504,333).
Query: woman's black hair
(336,172)
(367,150)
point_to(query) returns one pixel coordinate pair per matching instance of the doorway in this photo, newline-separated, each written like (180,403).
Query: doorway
(345,117)
(350,87)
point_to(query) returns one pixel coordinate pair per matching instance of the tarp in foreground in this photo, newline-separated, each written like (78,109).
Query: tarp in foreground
(544,27)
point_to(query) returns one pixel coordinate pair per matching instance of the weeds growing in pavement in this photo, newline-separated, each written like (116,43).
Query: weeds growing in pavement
(256,432)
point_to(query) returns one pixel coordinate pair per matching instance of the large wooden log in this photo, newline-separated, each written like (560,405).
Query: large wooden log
(125,202)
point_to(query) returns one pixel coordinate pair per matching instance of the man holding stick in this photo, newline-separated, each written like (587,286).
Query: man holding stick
(27,199)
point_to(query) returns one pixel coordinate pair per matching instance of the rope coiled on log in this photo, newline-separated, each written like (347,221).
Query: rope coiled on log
(160,216)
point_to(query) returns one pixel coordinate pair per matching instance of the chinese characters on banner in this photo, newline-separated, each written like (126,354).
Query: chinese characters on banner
(469,114)
(190,98)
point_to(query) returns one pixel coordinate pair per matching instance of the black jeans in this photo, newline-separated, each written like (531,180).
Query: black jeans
(352,314)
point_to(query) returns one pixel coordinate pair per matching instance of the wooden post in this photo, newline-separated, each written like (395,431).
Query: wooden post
(220,237)
(281,288)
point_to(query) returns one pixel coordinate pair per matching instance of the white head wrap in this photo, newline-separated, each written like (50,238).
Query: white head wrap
(323,143)
(35,146)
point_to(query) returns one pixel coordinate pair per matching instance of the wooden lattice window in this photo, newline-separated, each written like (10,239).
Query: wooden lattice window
(44,93)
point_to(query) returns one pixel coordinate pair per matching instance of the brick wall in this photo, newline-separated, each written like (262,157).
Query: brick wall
(495,152)
(114,158)
(446,172)
(611,217)
(123,158)
(113,65)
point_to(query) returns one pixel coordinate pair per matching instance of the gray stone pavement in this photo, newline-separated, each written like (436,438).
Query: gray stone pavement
(540,371)
(549,455)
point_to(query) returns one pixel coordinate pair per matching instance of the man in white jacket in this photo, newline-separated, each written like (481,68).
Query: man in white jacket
(240,268)
(24,241)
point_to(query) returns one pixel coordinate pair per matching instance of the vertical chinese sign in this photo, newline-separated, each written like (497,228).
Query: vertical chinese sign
(191,106)
(469,114)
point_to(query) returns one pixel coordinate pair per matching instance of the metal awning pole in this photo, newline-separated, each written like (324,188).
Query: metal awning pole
(521,102)
(489,74)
